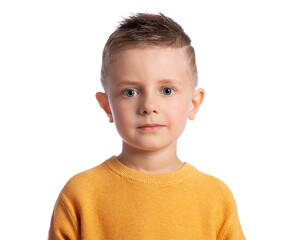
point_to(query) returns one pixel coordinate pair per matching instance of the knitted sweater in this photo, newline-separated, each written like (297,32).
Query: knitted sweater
(113,201)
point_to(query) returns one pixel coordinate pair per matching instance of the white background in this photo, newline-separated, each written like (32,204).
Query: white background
(246,132)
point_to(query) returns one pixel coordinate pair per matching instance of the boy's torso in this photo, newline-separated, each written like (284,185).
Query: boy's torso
(107,204)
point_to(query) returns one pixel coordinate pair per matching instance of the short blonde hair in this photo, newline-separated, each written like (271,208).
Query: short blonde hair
(146,30)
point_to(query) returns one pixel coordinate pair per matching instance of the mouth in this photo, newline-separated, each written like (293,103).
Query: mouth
(151,127)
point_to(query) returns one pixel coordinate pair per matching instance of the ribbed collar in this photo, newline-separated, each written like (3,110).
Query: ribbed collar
(157,178)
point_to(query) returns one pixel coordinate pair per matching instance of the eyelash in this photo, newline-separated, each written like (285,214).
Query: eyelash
(123,92)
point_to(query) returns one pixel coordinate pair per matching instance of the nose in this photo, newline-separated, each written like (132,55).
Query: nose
(149,104)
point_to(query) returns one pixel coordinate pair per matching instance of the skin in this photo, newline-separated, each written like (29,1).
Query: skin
(130,105)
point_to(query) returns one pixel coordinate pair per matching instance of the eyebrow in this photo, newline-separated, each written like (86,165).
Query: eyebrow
(163,81)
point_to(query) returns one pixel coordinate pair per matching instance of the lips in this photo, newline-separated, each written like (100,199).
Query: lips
(151,125)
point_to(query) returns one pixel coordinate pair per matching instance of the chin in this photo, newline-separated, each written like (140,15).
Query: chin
(146,146)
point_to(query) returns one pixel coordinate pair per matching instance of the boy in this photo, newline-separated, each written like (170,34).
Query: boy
(149,75)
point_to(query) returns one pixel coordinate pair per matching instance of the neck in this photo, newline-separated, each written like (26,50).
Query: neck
(163,160)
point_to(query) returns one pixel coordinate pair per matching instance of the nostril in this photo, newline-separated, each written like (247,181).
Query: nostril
(145,111)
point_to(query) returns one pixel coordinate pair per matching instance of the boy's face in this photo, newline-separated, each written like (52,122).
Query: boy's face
(150,86)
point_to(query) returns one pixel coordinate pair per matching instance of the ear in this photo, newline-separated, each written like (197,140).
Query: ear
(104,103)
(197,99)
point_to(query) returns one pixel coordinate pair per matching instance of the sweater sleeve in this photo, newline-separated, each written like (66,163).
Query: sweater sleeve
(232,229)
(63,224)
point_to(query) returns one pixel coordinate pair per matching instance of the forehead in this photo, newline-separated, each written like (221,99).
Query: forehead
(149,63)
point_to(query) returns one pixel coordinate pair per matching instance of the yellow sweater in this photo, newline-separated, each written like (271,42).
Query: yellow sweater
(113,201)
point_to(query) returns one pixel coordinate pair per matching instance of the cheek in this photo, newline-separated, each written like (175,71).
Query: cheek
(178,111)
(177,116)
(123,115)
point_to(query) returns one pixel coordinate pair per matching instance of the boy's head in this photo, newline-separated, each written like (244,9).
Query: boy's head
(149,76)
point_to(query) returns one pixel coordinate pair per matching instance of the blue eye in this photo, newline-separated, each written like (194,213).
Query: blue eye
(168,91)
(129,92)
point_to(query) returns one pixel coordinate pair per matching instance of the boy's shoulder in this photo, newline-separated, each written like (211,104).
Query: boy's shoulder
(213,188)
(86,181)
(210,181)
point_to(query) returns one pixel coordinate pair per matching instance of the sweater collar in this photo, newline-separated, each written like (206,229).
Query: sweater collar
(157,178)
